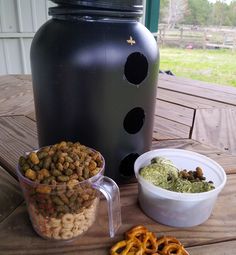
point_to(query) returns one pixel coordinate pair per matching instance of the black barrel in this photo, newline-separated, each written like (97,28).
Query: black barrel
(94,72)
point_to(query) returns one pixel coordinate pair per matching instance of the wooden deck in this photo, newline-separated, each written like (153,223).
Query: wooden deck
(189,114)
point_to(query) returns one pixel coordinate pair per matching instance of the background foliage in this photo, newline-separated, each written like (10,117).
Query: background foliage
(197,12)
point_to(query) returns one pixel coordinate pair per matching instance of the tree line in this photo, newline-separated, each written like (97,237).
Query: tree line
(197,13)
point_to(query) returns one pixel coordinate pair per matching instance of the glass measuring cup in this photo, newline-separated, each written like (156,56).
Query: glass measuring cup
(66,211)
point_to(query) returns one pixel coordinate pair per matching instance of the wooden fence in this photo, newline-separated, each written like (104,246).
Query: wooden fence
(197,37)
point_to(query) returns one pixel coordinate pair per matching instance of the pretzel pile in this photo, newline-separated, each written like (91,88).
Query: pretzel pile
(140,241)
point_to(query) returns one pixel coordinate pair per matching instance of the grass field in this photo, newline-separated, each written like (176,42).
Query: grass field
(215,66)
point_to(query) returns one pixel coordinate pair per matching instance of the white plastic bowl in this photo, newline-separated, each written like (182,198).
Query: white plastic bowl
(174,208)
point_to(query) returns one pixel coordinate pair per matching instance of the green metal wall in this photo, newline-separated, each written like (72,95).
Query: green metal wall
(152,15)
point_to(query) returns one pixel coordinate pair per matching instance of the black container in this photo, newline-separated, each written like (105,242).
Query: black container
(94,71)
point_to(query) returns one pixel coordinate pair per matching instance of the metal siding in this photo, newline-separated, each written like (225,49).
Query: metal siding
(27,43)
(152,15)
(13,56)
(42,10)
(3,68)
(19,20)
(8,16)
(25,15)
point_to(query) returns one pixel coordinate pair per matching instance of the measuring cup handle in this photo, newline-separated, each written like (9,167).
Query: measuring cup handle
(112,193)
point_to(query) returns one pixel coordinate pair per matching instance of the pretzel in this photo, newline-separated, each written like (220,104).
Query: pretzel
(136,232)
(165,240)
(127,247)
(174,248)
(140,241)
(145,238)
(149,243)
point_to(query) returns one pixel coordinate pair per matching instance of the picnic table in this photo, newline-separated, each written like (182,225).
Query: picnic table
(190,115)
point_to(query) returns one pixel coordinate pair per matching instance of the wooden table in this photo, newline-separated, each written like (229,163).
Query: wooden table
(190,114)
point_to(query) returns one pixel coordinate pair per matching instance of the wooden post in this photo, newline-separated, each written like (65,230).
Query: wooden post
(164,34)
(224,38)
(160,39)
(234,43)
(181,37)
(204,39)
(161,35)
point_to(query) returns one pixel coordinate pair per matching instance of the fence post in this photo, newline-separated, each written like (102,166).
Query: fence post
(234,43)
(181,37)
(160,36)
(164,34)
(204,39)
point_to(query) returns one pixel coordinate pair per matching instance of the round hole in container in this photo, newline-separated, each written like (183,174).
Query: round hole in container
(127,165)
(134,120)
(136,68)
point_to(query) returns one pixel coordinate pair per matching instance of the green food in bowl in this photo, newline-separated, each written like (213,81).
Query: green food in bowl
(163,173)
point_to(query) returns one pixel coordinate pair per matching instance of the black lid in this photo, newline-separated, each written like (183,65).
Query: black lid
(108,8)
(122,5)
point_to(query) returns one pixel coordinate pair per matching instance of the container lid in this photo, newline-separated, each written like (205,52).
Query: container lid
(123,5)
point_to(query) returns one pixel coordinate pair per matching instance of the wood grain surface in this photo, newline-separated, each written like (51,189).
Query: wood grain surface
(216,127)
(10,194)
(17,235)
(226,160)
(31,115)
(174,112)
(191,101)
(17,135)
(208,92)
(185,109)
(168,129)
(201,85)
(223,248)
(16,96)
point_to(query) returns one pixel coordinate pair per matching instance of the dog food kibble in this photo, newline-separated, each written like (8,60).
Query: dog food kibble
(61,204)
(62,161)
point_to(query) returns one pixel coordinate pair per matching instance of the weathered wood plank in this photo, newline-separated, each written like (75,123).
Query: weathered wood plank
(10,194)
(168,129)
(23,77)
(174,112)
(216,127)
(18,237)
(16,96)
(198,84)
(14,79)
(226,160)
(223,248)
(31,116)
(17,135)
(203,92)
(190,101)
